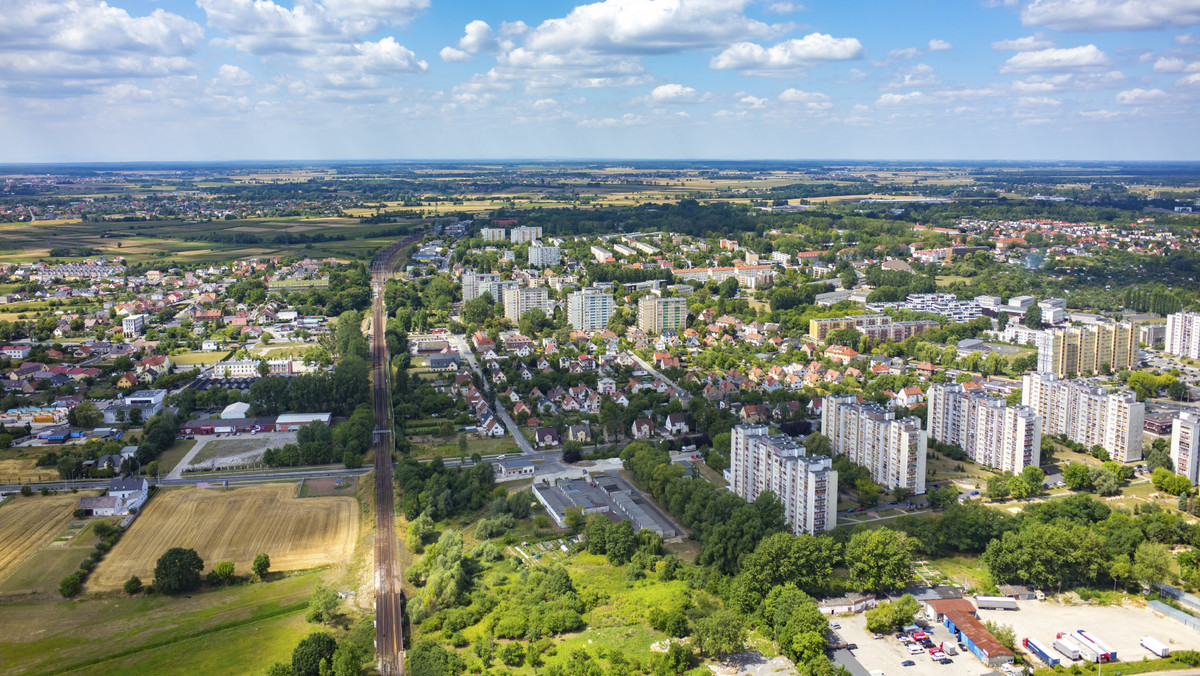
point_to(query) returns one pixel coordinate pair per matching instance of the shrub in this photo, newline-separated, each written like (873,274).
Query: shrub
(71,585)
(133,585)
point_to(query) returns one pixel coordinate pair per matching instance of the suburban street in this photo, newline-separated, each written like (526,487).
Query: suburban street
(679,391)
(509,424)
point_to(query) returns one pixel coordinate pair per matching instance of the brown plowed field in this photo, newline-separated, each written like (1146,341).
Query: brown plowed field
(27,524)
(234,525)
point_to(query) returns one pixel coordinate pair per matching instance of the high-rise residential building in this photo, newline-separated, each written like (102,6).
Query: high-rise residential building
(1185,437)
(1007,438)
(492,234)
(472,282)
(590,309)
(1087,413)
(500,289)
(1076,350)
(657,314)
(519,301)
(806,486)
(525,233)
(544,256)
(892,450)
(1183,335)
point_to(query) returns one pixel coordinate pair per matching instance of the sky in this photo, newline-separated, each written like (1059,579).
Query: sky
(211,80)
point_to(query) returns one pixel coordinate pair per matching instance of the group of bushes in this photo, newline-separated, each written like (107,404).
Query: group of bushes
(71,585)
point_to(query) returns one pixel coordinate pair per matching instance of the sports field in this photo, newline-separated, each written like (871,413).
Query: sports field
(28,524)
(234,525)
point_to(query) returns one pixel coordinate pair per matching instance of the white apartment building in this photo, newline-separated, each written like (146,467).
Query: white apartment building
(525,233)
(601,254)
(1087,413)
(472,281)
(1183,335)
(242,368)
(492,234)
(656,314)
(1185,456)
(544,256)
(892,450)
(806,486)
(781,257)
(624,250)
(519,301)
(133,325)
(1054,310)
(1007,438)
(590,309)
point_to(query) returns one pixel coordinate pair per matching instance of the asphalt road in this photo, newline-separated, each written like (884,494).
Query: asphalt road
(509,424)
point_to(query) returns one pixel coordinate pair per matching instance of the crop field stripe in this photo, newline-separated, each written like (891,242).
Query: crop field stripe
(235,525)
(154,645)
(27,525)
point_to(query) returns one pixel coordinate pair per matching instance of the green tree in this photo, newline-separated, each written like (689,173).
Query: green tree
(71,585)
(347,660)
(997,487)
(178,571)
(879,560)
(620,543)
(818,444)
(1033,476)
(720,634)
(323,605)
(1152,563)
(1076,476)
(133,585)
(224,572)
(312,650)
(1033,317)
(419,529)
(848,279)
(262,564)
(1004,633)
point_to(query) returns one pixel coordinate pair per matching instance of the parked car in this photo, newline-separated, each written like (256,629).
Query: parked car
(945,660)
(877,636)
(908,663)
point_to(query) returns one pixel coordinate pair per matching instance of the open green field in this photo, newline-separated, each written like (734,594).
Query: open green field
(947,280)
(234,630)
(428,448)
(169,241)
(172,456)
(197,358)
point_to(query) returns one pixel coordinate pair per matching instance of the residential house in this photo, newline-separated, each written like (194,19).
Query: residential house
(642,428)
(545,437)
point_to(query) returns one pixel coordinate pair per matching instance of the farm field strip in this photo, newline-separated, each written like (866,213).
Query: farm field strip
(234,525)
(28,524)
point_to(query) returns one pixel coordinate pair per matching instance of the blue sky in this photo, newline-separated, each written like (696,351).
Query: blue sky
(128,80)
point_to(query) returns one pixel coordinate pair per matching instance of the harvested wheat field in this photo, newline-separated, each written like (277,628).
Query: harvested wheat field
(28,524)
(22,471)
(234,525)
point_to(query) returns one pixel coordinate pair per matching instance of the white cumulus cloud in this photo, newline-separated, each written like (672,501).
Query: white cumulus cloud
(900,100)
(1175,65)
(648,27)
(1137,96)
(1025,44)
(673,93)
(790,55)
(1071,58)
(1110,15)
(936,45)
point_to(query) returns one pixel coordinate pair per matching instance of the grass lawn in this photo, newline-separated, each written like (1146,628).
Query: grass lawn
(447,447)
(940,467)
(64,636)
(172,456)
(256,646)
(197,358)
(968,571)
(1143,667)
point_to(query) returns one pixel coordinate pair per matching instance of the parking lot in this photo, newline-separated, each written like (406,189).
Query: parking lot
(1120,627)
(887,653)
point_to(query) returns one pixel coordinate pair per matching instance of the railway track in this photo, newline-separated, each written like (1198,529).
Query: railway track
(389,598)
